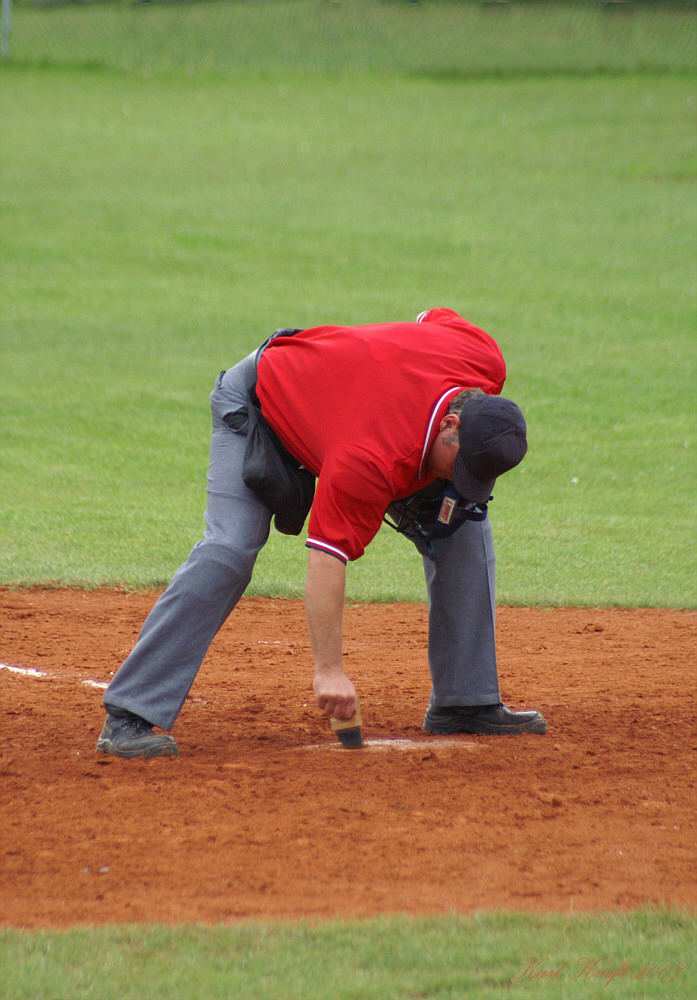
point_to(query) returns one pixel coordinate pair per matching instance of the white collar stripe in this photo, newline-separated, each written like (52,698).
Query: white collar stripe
(436,408)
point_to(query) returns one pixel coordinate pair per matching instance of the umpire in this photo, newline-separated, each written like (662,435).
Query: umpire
(347,424)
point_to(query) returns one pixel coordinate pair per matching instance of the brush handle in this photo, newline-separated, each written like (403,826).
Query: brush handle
(355,722)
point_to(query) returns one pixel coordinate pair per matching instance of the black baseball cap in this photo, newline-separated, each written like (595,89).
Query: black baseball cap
(492,441)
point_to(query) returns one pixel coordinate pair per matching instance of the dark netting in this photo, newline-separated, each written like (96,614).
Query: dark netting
(431,37)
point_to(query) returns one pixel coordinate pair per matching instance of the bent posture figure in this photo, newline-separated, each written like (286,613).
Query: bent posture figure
(390,418)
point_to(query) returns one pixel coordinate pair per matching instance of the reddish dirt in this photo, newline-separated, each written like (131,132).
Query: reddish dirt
(264,816)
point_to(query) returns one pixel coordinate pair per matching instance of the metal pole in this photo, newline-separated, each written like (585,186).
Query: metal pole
(6,18)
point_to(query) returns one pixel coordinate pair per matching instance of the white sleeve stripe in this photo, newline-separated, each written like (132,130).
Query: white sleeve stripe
(315,543)
(438,405)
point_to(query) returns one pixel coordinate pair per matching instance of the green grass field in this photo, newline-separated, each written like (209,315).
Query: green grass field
(639,956)
(163,211)
(156,230)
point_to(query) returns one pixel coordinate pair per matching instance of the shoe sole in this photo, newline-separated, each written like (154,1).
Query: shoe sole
(454,726)
(153,749)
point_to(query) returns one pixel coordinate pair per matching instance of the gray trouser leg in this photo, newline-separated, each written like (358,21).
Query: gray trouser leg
(155,679)
(461,624)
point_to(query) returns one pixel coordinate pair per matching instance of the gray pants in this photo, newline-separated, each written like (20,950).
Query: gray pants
(156,677)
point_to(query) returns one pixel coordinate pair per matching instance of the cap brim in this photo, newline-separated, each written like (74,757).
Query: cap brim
(469,488)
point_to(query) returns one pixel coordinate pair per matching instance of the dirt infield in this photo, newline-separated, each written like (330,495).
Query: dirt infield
(263,816)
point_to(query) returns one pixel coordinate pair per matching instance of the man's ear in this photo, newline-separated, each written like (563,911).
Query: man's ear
(450,422)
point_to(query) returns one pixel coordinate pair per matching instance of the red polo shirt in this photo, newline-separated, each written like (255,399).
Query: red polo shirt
(360,407)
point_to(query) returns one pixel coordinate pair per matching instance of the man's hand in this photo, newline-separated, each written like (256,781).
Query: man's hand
(324,607)
(335,693)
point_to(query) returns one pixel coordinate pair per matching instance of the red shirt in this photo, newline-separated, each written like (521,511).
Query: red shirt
(360,407)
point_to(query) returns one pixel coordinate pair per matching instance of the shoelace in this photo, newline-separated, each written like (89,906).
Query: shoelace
(136,725)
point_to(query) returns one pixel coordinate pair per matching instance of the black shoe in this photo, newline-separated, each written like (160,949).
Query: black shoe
(130,736)
(483,719)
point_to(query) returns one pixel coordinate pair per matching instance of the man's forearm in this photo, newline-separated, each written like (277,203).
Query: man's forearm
(324,607)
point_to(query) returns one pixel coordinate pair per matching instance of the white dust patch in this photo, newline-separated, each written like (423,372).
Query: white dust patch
(404,744)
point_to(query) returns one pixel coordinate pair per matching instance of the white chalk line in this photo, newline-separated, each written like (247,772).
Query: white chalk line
(33,672)
(25,671)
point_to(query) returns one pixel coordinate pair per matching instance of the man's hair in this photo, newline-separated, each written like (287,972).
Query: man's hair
(457,402)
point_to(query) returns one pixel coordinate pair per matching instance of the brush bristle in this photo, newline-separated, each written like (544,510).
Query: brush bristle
(350,739)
